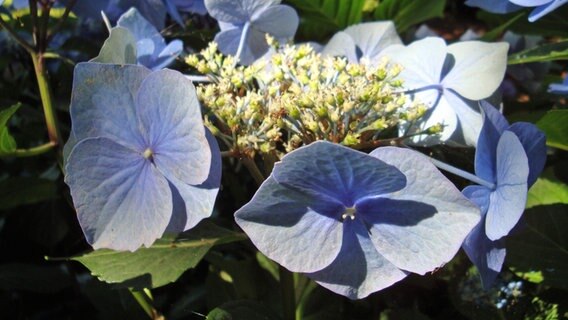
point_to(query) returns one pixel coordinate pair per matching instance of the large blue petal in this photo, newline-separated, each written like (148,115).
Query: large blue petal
(153,10)
(534,143)
(486,150)
(196,203)
(122,200)
(373,37)
(337,172)
(478,70)
(102,102)
(170,118)
(488,256)
(507,202)
(530,3)
(422,226)
(478,195)
(295,229)
(359,268)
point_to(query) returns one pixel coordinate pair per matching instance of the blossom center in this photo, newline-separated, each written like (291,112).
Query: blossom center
(148,154)
(349,212)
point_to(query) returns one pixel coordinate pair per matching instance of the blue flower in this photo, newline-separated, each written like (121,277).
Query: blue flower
(559,88)
(543,7)
(151,49)
(357,223)
(153,10)
(509,158)
(244,25)
(449,80)
(194,6)
(140,158)
(363,41)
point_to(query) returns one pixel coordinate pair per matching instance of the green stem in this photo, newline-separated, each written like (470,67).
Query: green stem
(30,152)
(288,296)
(253,169)
(143,301)
(46,99)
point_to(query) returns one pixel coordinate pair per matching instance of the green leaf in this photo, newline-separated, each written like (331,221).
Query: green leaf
(554,126)
(498,31)
(19,191)
(547,190)
(546,52)
(118,48)
(542,245)
(161,263)
(323,17)
(7,142)
(406,13)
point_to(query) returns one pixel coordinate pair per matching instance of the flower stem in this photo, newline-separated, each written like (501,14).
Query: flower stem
(46,99)
(244,36)
(34,151)
(253,169)
(143,300)
(461,173)
(288,296)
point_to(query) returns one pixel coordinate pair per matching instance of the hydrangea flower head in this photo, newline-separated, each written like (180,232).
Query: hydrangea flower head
(138,144)
(151,49)
(449,79)
(542,7)
(245,24)
(510,157)
(363,41)
(357,223)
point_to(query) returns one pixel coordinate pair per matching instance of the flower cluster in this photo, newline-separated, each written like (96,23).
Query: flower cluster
(296,96)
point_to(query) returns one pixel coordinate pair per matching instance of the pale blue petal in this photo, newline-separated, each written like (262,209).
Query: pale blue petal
(153,10)
(195,203)
(194,6)
(373,37)
(337,172)
(440,112)
(359,268)
(122,200)
(102,102)
(170,116)
(168,55)
(341,45)
(236,12)
(534,143)
(293,228)
(488,256)
(494,6)
(469,118)
(530,3)
(146,50)
(478,70)
(280,21)
(422,61)
(422,226)
(507,202)
(486,150)
(140,27)
(228,40)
